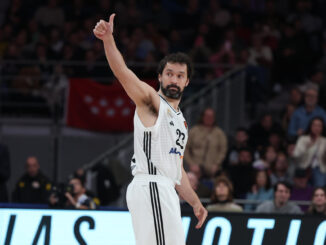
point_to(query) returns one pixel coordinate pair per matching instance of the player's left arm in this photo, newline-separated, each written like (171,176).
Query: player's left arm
(189,195)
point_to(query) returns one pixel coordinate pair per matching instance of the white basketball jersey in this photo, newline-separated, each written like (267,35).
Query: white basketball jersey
(159,149)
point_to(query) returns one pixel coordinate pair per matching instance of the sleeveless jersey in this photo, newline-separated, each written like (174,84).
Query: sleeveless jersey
(159,149)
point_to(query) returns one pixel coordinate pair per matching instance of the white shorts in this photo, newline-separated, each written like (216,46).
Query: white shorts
(155,210)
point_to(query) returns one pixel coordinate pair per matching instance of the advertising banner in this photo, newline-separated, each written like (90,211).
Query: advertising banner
(70,227)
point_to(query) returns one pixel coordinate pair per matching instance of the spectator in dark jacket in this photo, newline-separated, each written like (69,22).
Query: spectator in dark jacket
(33,186)
(259,133)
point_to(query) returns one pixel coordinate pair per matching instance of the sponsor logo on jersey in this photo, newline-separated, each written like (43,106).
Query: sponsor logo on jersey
(173,150)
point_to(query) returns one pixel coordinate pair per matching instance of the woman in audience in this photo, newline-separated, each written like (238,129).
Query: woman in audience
(318,202)
(222,198)
(261,189)
(310,151)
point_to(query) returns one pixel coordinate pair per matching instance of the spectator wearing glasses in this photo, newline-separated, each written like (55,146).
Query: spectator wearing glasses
(302,116)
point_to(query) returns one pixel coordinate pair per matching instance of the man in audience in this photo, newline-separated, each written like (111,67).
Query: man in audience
(241,140)
(33,186)
(280,204)
(303,115)
(301,191)
(259,132)
(280,169)
(242,173)
(206,146)
(75,196)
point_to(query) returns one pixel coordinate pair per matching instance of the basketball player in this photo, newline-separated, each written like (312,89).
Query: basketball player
(160,137)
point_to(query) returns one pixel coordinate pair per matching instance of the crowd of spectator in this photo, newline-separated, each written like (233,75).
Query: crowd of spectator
(281,43)
(33,187)
(263,164)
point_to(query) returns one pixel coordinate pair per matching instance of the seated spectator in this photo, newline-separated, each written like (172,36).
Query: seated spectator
(241,141)
(275,140)
(310,151)
(267,159)
(222,198)
(109,179)
(292,163)
(259,54)
(301,191)
(260,191)
(302,116)
(242,174)
(295,100)
(280,169)
(207,145)
(295,97)
(85,177)
(201,190)
(75,195)
(280,204)
(259,132)
(260,58)
(318,202)
(225,54)
(33,186)
(291,56)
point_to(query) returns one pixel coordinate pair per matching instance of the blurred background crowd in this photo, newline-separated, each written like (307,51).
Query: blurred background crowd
(278,155)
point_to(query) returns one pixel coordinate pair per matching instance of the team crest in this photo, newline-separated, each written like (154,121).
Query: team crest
(169,112)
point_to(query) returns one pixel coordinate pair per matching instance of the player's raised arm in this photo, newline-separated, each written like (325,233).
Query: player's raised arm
(140,92)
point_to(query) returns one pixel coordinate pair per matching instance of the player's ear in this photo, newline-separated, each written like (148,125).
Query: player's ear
(159,78)
(187,82)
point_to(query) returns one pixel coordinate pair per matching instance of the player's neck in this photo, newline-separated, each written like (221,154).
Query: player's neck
(173,102)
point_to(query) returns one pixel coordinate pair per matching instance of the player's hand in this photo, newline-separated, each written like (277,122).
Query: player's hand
(104,29)
(201,214)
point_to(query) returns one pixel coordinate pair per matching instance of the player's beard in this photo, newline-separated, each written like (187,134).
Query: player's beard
(171,93)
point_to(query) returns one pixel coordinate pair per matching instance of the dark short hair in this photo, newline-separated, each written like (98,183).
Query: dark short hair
(80,180)
(245,149)
(283,182)
(308,130)
(242,129)
(180,58)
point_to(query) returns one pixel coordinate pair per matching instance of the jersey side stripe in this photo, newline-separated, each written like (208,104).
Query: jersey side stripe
(150,154)
(154,215)
(160,212)
(158,217)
